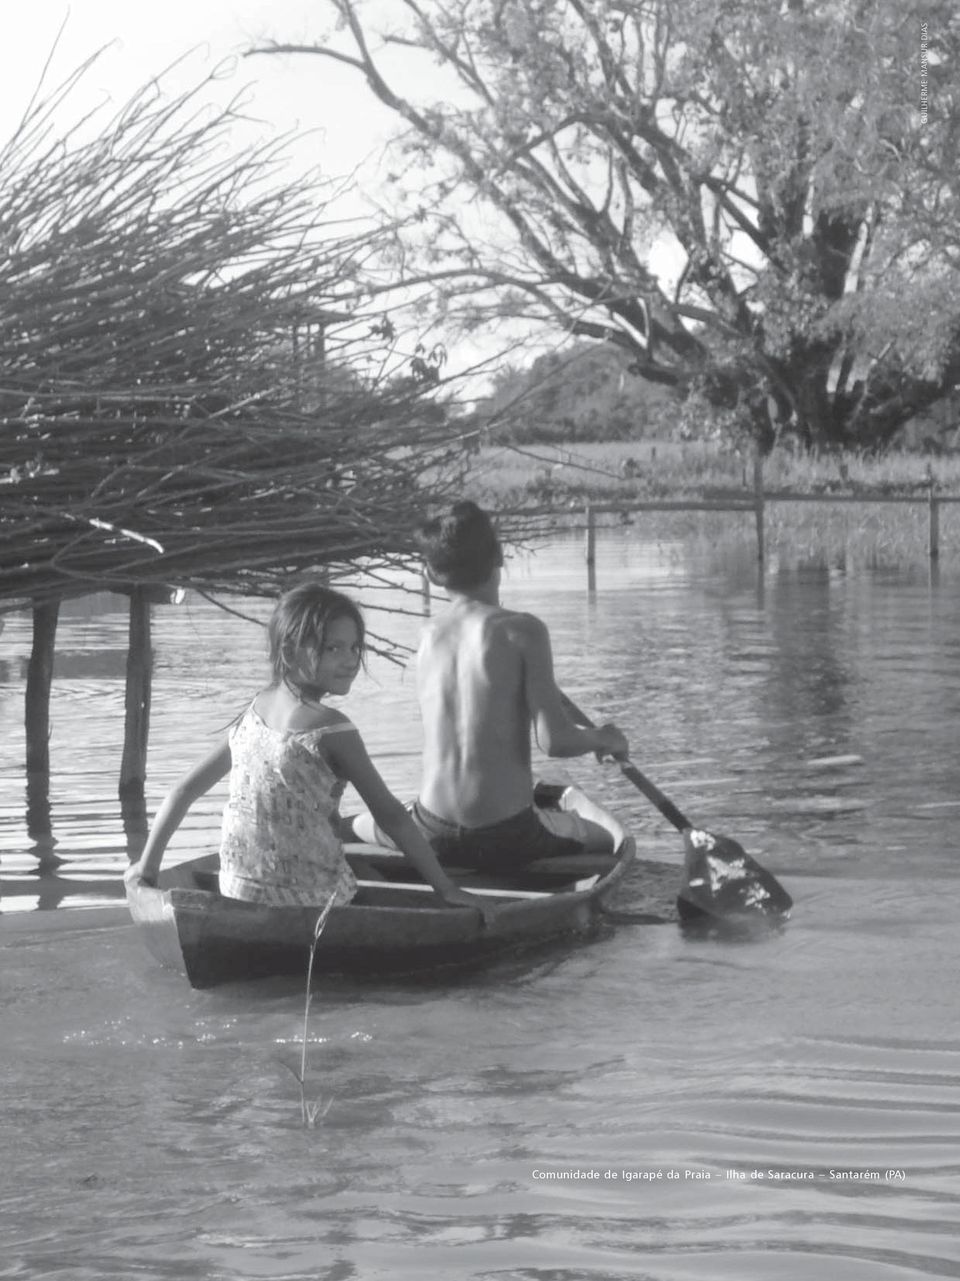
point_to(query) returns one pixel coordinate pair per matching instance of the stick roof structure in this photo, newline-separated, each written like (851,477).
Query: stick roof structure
(189,391)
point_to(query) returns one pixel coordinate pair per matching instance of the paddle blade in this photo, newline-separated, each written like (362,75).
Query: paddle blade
(722,881)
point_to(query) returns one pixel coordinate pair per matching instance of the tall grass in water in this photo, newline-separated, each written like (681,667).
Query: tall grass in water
(853,535)
(621,471)
(610,470)
(560,481)
(310,1112)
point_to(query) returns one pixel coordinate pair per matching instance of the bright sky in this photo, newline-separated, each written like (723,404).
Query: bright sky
(345,126)
(345,121)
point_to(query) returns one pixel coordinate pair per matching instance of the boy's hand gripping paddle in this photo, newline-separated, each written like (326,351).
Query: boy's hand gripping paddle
(721,880)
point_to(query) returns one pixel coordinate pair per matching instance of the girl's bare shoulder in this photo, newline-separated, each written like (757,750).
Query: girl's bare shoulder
(328,718)
(280,711)
(317,719)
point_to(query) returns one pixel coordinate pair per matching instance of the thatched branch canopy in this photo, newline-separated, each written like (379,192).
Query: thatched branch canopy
(190,391)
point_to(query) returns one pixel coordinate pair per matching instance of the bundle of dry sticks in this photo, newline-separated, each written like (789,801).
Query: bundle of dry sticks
(190,390)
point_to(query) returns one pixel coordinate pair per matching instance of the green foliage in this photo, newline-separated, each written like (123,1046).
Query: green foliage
(584,392)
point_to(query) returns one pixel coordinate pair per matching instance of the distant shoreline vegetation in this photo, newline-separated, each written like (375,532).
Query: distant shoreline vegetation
(564,479)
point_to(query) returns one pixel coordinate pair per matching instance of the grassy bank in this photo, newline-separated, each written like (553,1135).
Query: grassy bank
(565,479)
(624,471)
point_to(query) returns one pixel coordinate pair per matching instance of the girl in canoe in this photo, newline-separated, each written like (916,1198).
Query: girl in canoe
(289,757)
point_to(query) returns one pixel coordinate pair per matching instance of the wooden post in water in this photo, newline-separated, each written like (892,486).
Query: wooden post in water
(934,541)
(39,678)
(425,592)
(758,502)
(136,729)
(590,549)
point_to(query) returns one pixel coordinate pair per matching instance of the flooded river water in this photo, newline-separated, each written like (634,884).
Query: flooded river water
(647,1105)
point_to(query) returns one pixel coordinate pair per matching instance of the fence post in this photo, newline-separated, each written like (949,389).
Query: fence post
(590,549)
(425,592)
(934,544)
(758,502)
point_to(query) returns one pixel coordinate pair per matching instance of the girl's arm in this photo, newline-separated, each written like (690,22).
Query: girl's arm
(349,755)
(170,814)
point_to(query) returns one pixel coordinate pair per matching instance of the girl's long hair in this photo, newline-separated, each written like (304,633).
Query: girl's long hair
(298,627)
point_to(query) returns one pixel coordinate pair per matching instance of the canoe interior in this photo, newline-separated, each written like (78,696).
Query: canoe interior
(384,876)
(393,926)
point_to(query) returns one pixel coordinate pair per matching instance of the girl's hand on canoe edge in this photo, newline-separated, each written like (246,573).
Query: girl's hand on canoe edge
(134,877)
(463,898)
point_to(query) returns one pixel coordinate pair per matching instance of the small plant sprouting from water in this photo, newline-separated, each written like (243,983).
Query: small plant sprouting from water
(311,1112)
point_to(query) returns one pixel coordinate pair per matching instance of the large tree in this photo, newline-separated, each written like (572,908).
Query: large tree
(797,159)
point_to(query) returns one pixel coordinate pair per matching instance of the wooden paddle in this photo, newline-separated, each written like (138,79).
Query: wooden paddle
(721,880)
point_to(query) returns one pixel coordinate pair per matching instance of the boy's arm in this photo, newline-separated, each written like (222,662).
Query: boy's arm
(556,733)
(170,814)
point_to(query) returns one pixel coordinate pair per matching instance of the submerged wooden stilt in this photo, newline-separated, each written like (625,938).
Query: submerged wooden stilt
(39,678)
(933,545)
(136,730)
(590,549)
(40,816)
(759,504)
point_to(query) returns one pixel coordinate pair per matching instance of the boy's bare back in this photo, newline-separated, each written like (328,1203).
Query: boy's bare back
(485,682)
(471,680)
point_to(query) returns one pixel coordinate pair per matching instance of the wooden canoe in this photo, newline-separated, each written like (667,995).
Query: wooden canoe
(394,925)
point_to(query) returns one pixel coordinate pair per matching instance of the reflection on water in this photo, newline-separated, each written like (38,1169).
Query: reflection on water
(704,1090)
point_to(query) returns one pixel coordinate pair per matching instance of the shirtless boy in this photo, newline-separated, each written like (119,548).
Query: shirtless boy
(484,679)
